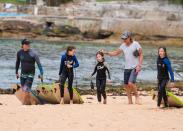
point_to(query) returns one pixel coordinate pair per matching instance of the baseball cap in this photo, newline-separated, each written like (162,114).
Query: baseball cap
(126,34)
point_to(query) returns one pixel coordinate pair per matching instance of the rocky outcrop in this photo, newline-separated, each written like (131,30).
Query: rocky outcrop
(6,91)
(36,29)
(149,20)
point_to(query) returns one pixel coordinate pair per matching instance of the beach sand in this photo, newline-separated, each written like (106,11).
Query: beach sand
(117,115)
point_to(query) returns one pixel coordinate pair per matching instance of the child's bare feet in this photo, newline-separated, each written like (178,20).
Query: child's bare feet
(130,102)
(105,101)
(62,101)
(71,102)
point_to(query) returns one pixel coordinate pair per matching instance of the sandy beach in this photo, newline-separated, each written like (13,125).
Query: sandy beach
(117,115)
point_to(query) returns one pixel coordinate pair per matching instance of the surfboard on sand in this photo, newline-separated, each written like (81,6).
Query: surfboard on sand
(173,100)
(51,94)
(26,98)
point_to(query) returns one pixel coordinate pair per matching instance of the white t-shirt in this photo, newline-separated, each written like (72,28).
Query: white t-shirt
(130,60)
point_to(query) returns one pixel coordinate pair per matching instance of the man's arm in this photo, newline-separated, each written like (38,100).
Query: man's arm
(38,63)
(114,53)
(140,57)
(61,65)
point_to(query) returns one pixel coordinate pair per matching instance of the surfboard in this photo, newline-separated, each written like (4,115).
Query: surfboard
(26,98)
(51,94)
(173,100)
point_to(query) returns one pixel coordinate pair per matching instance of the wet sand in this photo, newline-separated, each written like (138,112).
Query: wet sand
(117,115)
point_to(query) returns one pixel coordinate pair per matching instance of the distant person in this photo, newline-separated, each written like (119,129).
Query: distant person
(101,70)
(133,63)
(68,63)
(164,69)
(27,58)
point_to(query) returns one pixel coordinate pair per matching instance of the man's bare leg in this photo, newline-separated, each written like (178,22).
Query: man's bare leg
(128,92)
(134,90)
(26,98)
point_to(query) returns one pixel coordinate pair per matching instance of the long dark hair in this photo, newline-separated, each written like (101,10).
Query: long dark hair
(165,50)
(102,54)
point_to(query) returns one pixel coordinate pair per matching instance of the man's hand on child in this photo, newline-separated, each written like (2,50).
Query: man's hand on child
(103,51)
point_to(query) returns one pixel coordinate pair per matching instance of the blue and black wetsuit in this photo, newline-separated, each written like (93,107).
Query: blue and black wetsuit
(101,69)
(66,72)
(27,60)
(164,69)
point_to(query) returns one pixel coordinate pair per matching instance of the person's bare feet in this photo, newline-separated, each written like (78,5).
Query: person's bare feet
(105,101)
(71,102)
(137,101)
(62,101)
(128,92)
(158,108)
(130,102)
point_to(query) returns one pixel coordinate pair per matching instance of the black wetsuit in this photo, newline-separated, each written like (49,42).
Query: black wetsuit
(101,69)
(66,72)
(27,60)
(163,66)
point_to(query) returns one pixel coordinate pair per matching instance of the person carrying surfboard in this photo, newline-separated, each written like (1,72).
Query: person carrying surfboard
(27,58)
(133,63)
(163,70)
(68,63)
(101,70)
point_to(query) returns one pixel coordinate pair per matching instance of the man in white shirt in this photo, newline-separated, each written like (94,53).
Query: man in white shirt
(133,62)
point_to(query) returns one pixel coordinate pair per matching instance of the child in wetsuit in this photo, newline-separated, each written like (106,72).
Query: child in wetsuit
(68,62)
(101,69)
(164,69)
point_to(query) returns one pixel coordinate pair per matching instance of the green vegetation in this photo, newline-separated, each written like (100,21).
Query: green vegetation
(48,2)
(13,1)
(179,2)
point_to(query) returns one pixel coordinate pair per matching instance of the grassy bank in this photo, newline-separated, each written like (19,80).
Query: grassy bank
(13,1)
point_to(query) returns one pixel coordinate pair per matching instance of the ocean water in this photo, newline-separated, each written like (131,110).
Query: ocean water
(50,55)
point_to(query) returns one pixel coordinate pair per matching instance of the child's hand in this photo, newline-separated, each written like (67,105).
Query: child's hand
(17,76)
(109,81)
(172,84)
(69,66)
(90,77)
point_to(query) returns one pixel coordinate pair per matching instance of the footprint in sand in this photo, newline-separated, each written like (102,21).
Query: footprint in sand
(90,98)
